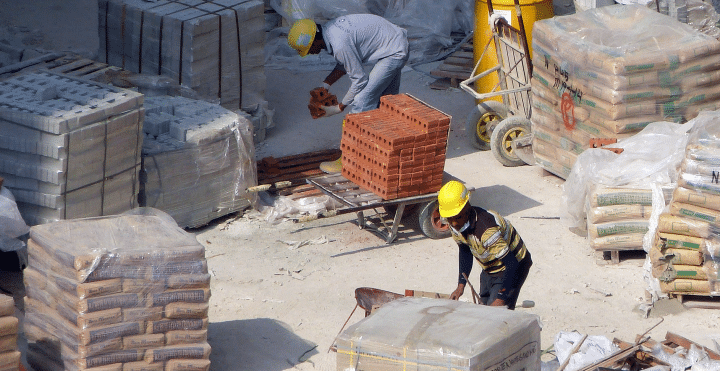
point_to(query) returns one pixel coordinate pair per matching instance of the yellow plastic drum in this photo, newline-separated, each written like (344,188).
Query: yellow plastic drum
(532,10)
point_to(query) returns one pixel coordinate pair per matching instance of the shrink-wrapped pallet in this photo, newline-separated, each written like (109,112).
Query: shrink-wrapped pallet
(198,158)
(126,292)
(439,334)
(611,71)
(214,47)
(685,256)
(69,148)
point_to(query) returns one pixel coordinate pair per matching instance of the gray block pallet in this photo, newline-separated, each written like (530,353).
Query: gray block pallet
(69,147)
(206,45)
(194,150)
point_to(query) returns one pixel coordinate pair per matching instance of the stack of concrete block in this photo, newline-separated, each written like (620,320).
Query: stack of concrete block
(198,158)
(397,150)
(125,292)
(69,148)
(215,47)
(9,354)
(622,70)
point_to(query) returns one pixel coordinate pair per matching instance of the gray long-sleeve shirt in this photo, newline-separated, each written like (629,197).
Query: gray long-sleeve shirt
(355,39)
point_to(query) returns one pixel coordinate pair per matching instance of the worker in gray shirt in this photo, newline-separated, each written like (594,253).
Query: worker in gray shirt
(353,40)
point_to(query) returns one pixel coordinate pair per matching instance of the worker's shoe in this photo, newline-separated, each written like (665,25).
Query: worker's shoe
(332,167)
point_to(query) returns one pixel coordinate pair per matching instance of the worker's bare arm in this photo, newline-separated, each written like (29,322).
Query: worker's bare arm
(334,75)
(458,292)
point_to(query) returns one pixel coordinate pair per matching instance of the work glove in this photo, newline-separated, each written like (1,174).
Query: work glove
(331,110)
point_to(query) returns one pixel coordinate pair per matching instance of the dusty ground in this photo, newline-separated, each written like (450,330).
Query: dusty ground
(277,308)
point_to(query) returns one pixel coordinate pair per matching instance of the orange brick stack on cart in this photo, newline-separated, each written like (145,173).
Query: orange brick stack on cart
(397,150)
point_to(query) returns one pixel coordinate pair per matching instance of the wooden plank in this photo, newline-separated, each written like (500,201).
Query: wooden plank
(452,75)
(450,68)
(1,181)
(71,66)
(90,68)
(462,62)
(685,343)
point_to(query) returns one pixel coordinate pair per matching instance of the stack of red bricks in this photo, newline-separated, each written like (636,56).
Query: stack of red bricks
(397,150)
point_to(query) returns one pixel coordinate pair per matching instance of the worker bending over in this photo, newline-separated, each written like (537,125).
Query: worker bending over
(492,240)
(353,40)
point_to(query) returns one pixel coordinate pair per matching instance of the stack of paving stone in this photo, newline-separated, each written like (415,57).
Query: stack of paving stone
(215,47)
(127,292)
(397,150)
(69,148)
(609,72)
(198,158)
(9,354)
(686,251)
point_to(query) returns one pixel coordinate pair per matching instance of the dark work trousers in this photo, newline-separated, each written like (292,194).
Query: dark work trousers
(490,284)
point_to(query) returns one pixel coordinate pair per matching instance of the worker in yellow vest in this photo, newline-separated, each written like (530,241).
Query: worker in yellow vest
(491,240)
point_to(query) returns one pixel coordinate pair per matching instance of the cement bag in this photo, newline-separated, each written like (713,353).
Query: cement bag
(592,349)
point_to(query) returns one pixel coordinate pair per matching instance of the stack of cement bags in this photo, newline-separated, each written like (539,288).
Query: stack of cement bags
(618,217)
(9,354)
(69,148)
(215,47)
(198,159)
(610,71)
(127,292)
(686,251)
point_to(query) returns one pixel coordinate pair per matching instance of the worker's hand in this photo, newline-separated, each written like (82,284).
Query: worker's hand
(332,110)
(458,292)
(498,303)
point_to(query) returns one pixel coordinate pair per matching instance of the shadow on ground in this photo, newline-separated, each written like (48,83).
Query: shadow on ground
(256,344)
(502,199)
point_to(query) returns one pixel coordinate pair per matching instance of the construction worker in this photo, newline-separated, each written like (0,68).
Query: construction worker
(353,40)
(489,238)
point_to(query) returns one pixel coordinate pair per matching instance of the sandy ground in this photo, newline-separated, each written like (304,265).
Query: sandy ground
(278,308)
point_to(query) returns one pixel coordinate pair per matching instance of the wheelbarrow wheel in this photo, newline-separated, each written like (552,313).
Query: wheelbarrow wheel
(430,222)
(480,121)
(502,137)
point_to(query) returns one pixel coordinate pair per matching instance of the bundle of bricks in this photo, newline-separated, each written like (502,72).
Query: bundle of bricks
(320,97)
(69,148)
(686,252)
(198,158)
(215,47)
(9,354)
(127,292)
(397,150)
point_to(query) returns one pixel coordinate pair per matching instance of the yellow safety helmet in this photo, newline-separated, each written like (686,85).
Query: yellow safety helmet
(302,35)
(452,197)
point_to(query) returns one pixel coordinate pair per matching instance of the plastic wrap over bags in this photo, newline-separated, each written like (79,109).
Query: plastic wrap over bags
(12,224)
(650,157)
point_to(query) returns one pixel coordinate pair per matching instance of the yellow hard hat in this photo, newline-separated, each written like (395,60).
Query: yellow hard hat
(301,36)
(452,197)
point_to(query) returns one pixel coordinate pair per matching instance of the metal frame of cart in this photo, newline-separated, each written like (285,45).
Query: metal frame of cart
(494,125)
(356,199)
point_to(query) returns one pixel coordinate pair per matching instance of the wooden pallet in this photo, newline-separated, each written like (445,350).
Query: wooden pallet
(69,64)
(696,300)
(455,68)
(612,256)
